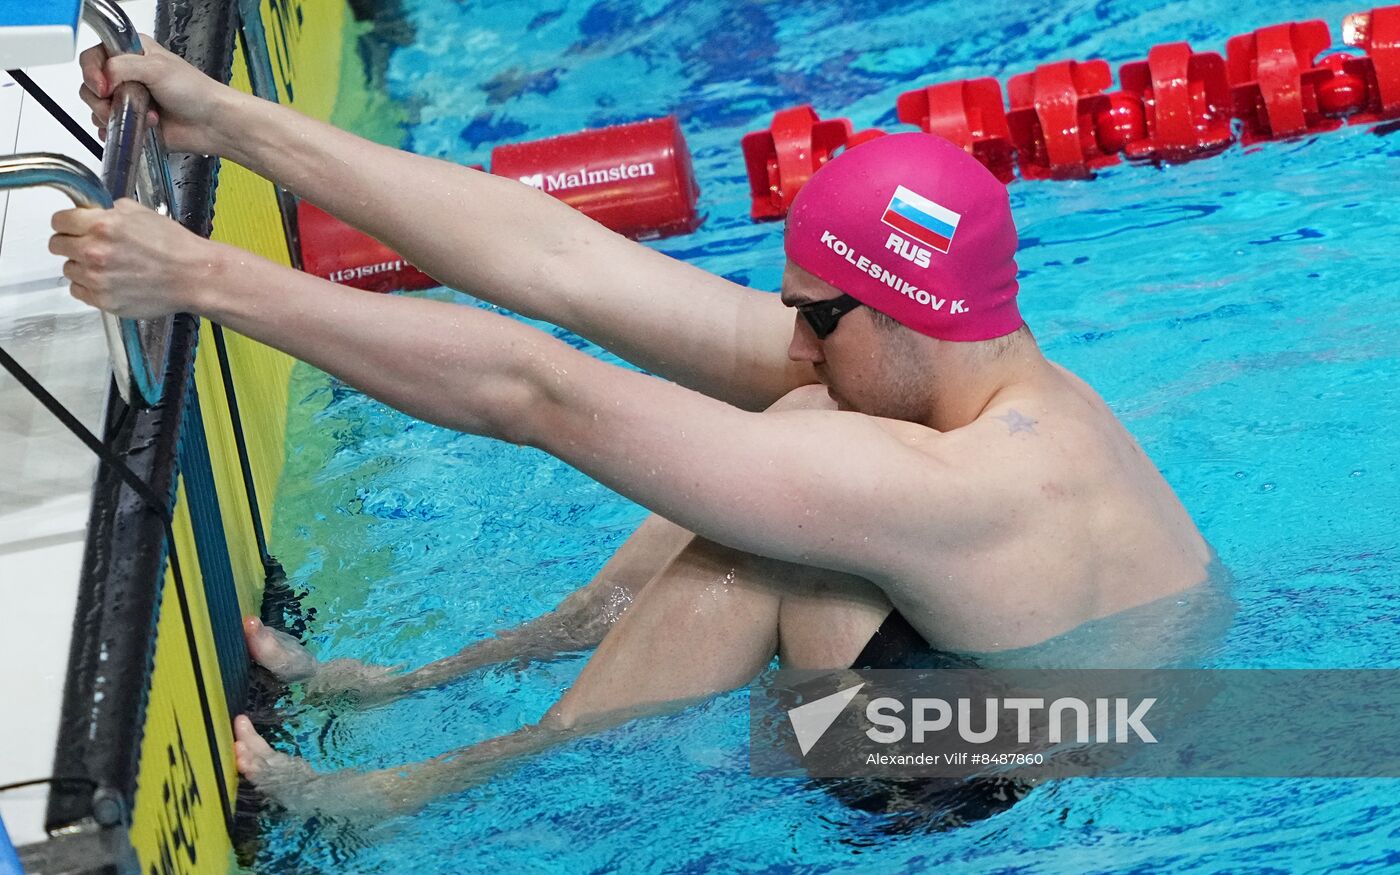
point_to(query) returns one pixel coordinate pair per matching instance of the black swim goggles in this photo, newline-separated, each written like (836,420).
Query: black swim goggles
(823,315)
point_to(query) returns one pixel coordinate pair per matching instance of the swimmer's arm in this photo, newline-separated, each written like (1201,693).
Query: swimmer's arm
(494,237)
(832,489)
(826,488)
(524,250)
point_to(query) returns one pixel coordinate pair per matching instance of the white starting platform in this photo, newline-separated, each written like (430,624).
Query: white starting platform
(46,475)
(34,32)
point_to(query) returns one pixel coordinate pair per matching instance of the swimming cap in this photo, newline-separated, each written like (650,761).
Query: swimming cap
(916,228)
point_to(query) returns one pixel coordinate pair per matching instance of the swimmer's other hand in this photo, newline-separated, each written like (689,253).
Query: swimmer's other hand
(133,262)
(190,105)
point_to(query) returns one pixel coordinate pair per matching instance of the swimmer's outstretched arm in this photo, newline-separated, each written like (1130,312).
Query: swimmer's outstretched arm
(494,237)
(874,498)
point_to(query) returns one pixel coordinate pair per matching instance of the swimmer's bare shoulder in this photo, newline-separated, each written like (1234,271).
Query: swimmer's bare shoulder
(1066,520)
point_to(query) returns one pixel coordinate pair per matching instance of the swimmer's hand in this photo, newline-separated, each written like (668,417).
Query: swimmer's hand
(132,261)
(190,104)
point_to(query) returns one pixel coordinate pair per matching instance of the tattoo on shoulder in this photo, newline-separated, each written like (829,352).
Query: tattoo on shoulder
(1016,422)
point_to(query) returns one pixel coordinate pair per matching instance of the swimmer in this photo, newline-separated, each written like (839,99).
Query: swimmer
(879,459)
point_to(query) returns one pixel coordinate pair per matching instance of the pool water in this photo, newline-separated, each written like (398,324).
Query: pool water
(1238,313)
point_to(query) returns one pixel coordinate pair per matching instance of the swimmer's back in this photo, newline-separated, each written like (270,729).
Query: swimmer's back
(1081,526)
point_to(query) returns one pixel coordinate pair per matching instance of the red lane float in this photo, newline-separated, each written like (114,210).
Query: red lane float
(1053,119)
(635,178)
(1344,91)
(1378,33)
(337,252)
(781,159)
(1185,101)
(1274,80)
(968,112)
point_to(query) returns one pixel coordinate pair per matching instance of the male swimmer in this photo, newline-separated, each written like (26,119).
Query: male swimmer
(879,460)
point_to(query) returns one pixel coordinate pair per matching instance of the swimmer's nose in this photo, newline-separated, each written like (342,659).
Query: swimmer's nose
(804,346)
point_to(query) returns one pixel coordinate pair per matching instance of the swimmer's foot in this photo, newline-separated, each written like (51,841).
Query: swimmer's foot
(278,652)
(291,662)
(262,766)
(291,782)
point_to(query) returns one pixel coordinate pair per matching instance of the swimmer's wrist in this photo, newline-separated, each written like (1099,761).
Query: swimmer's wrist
(232,122)
(208,286)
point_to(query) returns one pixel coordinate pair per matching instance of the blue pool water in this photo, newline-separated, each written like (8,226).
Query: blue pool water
(1238,313)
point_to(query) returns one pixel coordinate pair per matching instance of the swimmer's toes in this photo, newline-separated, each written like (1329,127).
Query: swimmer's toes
(278,652)
(250,749)
(281,776)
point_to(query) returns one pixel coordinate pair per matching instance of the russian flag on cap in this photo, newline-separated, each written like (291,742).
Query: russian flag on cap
(918,217)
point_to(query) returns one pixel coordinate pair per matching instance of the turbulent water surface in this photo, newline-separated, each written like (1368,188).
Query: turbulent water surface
(1238,313)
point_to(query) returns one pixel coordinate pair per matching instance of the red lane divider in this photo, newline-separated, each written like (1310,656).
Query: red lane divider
(1185,98)
(1378,33)
(1062,121)
(334,251)
(1274,80)
(968,112)
(1345,91)
(1052,119)
(636,179)
(781,159)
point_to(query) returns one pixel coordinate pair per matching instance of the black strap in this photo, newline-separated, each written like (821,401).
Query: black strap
(164,512)
(73,424)
(89,142)
(271,567)
(55,781)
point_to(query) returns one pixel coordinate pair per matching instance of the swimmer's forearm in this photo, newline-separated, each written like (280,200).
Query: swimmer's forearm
(469,229)
(525,251)
(460,367)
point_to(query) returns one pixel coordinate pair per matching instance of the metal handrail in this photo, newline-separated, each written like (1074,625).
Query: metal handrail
(86,190)
(134,163)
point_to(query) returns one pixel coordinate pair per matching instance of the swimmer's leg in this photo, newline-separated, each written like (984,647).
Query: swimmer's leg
(709,624)
(579,623)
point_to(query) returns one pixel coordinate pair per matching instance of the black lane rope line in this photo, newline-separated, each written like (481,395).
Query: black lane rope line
(277,596)
(241,442)
(54,780)
(88,141)
(198,669)
(143,489)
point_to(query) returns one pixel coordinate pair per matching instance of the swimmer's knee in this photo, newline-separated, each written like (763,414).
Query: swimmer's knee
(561,717)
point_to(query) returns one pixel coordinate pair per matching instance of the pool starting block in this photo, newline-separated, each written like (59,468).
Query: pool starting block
(37,32)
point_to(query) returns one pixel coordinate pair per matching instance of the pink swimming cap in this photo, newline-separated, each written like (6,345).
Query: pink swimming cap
(916,228)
